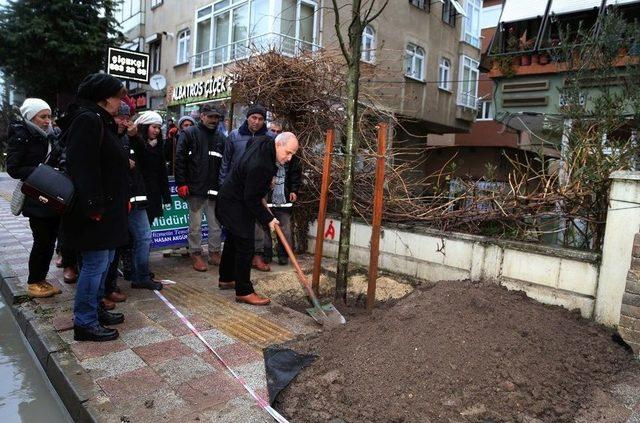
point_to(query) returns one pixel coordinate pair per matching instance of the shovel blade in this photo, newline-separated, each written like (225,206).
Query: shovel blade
(327,315)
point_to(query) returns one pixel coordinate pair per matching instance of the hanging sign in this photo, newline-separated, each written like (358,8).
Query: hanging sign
(128,65)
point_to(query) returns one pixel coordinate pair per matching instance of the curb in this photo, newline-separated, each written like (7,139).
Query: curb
(74,387)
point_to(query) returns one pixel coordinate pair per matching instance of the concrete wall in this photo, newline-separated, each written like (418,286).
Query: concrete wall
(550,275)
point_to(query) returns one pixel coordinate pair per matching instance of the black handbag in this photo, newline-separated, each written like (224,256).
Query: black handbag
(50,187)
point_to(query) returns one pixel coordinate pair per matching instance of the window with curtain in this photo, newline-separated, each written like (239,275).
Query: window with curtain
(444,74)
(468,85)
(414,62)
(183,46)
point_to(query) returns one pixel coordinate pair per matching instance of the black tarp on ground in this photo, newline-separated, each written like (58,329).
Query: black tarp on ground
(282,365)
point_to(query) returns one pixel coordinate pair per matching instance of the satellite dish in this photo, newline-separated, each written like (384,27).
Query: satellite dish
(158,82)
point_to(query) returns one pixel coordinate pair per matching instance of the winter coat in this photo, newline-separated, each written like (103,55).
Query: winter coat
(137,189)
(98,167)
(292,180)
(239,203)
(236,145)
(26,149)
(198,159)
(151,164)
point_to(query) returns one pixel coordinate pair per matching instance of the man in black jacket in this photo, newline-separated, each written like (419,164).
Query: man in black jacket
(240,204)
(198,157)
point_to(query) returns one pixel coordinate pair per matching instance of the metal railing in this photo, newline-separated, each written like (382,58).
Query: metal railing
(220,55)
(468,100)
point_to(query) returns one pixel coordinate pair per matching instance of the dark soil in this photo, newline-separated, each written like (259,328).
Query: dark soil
(456,352)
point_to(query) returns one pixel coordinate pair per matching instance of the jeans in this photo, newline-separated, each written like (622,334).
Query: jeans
(90,287)
(236,263)
(197,205)
(45,232)
(140,245)
(284,216)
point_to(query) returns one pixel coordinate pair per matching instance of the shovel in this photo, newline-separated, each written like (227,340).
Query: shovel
(323,314)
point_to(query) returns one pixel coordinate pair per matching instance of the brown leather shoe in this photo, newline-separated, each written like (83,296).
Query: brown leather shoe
(70,274)
(42,290)
(258,263)
(214,258)
(253,299)
(227,285)
(116,297)
(198,262)
(108,304)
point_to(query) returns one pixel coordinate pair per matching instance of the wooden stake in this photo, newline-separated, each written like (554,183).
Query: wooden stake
(322,210)
(376,221)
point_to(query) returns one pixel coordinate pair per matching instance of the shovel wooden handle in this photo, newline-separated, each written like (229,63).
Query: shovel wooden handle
(301,276)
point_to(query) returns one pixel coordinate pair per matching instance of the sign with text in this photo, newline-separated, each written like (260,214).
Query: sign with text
(172,229)
(128,65)
(202,89)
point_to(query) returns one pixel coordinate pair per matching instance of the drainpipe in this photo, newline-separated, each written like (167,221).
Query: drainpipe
(321,23)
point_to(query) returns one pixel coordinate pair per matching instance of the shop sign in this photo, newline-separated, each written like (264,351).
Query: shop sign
(172,229)
(209,88)
(128,65)
(140,100)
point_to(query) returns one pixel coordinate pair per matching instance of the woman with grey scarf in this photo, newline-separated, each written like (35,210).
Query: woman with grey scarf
(30,142)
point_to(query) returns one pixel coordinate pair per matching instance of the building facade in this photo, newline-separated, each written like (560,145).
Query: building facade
(428,69)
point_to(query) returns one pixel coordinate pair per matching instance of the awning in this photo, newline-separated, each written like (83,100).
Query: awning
(458,7)
(522,10)
(560,7)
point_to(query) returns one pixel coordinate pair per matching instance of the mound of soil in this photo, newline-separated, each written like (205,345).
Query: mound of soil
(456,352)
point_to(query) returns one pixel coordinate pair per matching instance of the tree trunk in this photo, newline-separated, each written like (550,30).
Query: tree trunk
(351,148)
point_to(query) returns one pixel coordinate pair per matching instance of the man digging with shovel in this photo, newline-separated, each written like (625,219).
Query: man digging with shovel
(240,204)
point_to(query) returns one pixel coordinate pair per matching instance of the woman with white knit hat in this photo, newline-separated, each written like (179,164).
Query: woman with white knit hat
(30,141)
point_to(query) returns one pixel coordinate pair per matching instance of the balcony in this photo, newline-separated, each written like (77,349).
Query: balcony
(468,100)
(242,49)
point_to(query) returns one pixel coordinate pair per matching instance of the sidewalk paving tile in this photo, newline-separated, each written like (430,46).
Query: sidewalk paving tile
(163,351)
(87,350)
(127,386)
(145,335)
(180,370)
(113,364)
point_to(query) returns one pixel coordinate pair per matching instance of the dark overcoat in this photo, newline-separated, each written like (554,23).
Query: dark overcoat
(239,203)
(151,164)
(98,166)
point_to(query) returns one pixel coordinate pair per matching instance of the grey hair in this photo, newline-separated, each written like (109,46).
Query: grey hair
(284,138)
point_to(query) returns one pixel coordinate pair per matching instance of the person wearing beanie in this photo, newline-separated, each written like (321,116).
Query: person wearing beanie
(253,129)
(96,225)
(29,143)
(198,157)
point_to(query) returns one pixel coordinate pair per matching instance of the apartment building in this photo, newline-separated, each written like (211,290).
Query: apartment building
(423,54)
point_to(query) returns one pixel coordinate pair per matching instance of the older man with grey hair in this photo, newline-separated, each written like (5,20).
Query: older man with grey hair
(240,205)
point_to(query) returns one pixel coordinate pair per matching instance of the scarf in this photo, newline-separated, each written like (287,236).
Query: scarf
(278,190)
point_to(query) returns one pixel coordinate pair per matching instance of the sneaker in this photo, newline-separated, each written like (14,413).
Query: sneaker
(150,284)
(42,290)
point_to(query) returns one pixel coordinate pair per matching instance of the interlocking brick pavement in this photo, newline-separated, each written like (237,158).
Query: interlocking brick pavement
(158,370)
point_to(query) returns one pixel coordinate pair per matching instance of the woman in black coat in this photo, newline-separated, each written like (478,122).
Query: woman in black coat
(29,143)
(97,222)
(149,150)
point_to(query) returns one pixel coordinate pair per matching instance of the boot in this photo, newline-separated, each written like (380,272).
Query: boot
(108,318)
(198,262)
(149,284)
(226,285)
(107,304)
(70,274)
(98,334)
(116,297)
(42,290)
(283,261)
(127,265)
(258,263)
(253,299)
(214,258)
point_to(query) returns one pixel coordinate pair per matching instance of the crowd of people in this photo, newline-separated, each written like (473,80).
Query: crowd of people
(245,182)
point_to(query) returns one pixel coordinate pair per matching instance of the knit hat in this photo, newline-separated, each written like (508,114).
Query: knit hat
(124,110)
(32,106)
(99,86)
(149,118)
(257,109)
(183,118)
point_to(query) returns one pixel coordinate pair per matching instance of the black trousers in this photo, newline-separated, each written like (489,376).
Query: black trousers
(235,264)
(45,232)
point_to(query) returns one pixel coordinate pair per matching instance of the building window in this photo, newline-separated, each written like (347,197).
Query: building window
(485,110)
(183,46)
(444,74)
(368,45)
(414,62)
(156,3)
(154,57)
(228,30)
(471,26)
(448,13)
(468,85)
(421,4)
